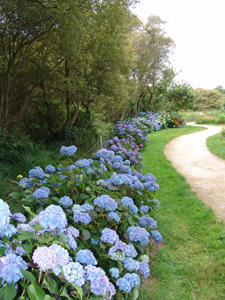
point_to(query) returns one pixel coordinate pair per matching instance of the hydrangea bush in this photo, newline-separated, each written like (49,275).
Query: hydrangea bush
(84,226)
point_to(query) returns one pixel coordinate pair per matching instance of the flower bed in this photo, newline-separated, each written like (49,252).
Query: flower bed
(84,226)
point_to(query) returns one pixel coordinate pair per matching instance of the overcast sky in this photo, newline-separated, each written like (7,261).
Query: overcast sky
(198,30)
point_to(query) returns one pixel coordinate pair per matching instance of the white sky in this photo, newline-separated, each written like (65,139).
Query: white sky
(198,30)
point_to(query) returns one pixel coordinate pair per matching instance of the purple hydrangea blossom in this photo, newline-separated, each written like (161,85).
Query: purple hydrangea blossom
(106,202)
(114,216)
(20,251)
(74,273)
(151,186)
(10,268)
(37,172)
(109,236)
(123,285)
(86,257)
(62,257)
(133,279)
(144,269)
(131,251)
(72,230)
(66,201)
(144,209)
(104,153)
(82,217)
(68,150)
(147,221)
(45,258)
(42,192)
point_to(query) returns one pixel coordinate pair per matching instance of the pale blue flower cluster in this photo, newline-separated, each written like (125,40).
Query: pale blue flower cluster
(130,251)
(9,231)
(68,150)
(10,268)
(50,169)
(26,183)
(105,154)
(109,236)
(133,279)
(106,202)
(86,257)
(148,221)
(114,216)
(62,257)
(66,201)
(45,258)
(18,217)
(70,241)
(82,217)
(72,231)
(123,285)
(37,172)
(42,192)
(144,269)
(144,209)
(86,206)
(83,163)
(4,216)
(130,264)
(74,273)
(138,234)
(129,203)
(114,272)
(52,218)
(155,234)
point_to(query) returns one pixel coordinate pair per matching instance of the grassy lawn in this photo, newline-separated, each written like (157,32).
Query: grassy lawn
(191,265)
(216,145)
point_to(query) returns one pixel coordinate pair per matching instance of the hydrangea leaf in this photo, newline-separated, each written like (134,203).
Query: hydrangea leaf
(28,209)
(135,294)
(113,187)
(86,234)
(14,195)
(7,292)
(47,297)
(27,275)
(28,248)
(25,235)
(64,294)
(35,292)
(51,285)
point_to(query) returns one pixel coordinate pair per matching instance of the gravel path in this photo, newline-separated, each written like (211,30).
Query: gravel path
(204,172)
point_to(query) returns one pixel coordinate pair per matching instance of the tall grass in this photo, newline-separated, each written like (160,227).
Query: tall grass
(192,265)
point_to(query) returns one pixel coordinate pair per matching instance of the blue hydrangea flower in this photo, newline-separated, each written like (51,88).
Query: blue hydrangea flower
(86,257)
(94,241)
(106,202)
(144,269)
(123,285)
(129,203)
(100,284)
(130,251)
(24,227)
(156,236)
(20,251)
(114,272)
(127,170)
(118,246)
(66,201)
(37,172)
(86,206)
(144,258)
(10,268)
(83,163)
(138,186)
(151,186)
(127,163)
(109,236)
(45,258)
(68,150)
(70,241)
(9,231)
(117,179)
(104,153)
(144,209)
(138,234)
(62,257)
(133,279)
(130,264)
(26,183)
(118,255)
(82,217)
(42,192)
(72,230)
(147,221)
(74,273)
(157,202)
(19,217)
(4,216)
(149,177)
(50,169)
(52,218)
(114,216)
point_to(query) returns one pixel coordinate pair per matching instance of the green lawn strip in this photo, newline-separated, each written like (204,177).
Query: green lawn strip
(216,145)
(192,265)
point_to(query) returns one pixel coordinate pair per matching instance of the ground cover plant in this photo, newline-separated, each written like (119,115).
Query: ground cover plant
(191,264)
(84,226)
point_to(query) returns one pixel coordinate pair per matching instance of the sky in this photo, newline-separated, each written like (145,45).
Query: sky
(198,30)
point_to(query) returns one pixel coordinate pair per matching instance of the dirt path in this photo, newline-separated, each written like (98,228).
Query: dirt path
(204,172)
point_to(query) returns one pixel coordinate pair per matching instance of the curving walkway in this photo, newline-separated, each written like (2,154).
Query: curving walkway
(204,172)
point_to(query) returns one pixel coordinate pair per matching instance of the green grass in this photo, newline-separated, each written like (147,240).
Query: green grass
(191,266)
(216,145)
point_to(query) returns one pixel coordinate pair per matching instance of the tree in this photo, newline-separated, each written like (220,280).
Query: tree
(207,100)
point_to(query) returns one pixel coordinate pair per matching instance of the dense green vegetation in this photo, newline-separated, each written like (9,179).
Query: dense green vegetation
(191,264)
(216,144)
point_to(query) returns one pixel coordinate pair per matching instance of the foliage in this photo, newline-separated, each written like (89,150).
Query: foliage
(216,144)
(207,100)
(175,121)
(80,220)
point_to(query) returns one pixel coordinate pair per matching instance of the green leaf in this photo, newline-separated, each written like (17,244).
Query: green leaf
(25,235)
(44,240)
(86,234)
(29,211)
(14,195)
(28,248)
(8,292)
(88,189)
(64,294)
(79,290)
(135,294)
(51,285)
(102,245)
(38,227)
(35,292)
(47,297)
(70,182)
(27,275)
